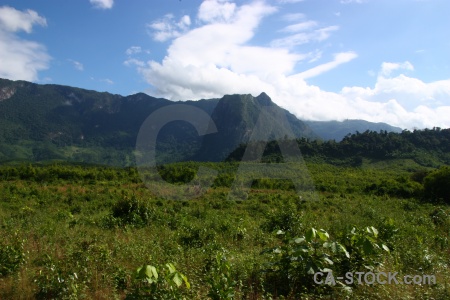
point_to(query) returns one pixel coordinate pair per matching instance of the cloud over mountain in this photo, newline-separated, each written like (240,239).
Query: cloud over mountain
(215,54)
(20,58)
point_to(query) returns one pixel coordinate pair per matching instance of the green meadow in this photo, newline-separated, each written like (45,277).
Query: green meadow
(94,232)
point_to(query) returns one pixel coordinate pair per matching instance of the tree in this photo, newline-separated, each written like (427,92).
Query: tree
(437,185)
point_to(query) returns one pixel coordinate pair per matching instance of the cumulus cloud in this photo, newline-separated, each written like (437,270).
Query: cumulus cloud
(133,54)
(214,11)
(12,20)
(102,4)
(218,57)
(20,58)
(387,67)
(167,28)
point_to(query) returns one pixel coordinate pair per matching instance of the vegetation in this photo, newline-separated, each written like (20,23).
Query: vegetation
(428,147)
(74,228)
(95,232)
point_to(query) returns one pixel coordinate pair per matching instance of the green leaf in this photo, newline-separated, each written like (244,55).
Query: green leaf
(328,261)
(147,272)
(311,234)
(171,268)
(151,270)
(279,232)
(177,279)
(344,250)
(375,231)
(386,248)
(323,235)
(299,240)
(186,282)
(311,270)
(368,247)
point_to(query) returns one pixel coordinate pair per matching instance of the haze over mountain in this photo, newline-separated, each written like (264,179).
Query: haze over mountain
(337,130)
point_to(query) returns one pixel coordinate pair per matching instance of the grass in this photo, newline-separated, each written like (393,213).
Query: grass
(67,227)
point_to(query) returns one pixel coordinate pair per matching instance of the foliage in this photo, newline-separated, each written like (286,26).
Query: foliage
(131,211)
(148,283)
(220,279)
(12,256)
(80,230)
(54,282)
(426,147)
(294,263)
(437,185)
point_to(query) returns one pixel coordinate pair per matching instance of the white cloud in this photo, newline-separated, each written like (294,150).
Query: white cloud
(387,67)
(352,1)
(102,4)
(294,17)
(133,50)
(77,65)
(301,38)
(12,20)
(215,11)
(108,81)
(300,26)
(134,62)
(167,28)
(19,58)
(339,59)
(217,57)
(289,1)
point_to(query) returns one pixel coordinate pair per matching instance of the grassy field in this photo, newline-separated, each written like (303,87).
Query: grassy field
(81,232)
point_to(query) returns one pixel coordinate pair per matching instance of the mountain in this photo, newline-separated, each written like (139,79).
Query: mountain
(236,118)
(47,122)
(337,130)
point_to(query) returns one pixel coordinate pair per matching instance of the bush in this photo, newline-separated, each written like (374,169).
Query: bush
(292,265)
(401,187)
(148,283)
(437,185)
(12,256)
(132,211)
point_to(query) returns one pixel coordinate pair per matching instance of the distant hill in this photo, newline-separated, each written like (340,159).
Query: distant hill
(337,130)
(48,122)
(428,147)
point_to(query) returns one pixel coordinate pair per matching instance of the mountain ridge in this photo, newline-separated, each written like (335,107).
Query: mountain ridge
(337,130)
(44,122)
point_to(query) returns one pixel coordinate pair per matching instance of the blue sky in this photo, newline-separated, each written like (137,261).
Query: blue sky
(383,61)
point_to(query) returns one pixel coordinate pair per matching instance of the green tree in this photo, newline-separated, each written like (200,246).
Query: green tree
(437,185)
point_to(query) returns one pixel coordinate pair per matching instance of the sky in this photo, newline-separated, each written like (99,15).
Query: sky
(377,60)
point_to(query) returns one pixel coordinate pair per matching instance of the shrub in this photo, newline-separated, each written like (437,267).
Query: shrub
(292,265)
(149,284)
(12,256)
(131,211)
(220,279)
(437,185)
(56,282)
